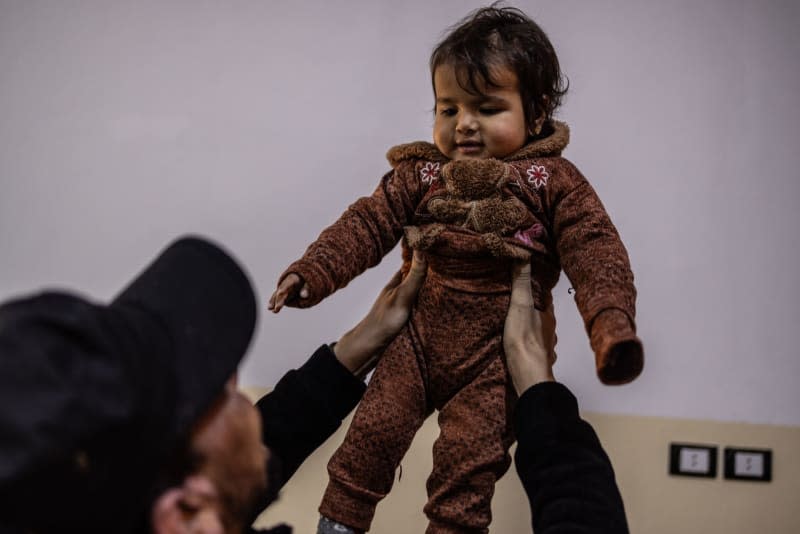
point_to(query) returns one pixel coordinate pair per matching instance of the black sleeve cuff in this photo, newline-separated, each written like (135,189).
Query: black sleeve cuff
(562,465)
(333,383)
(306,407)
(544,406)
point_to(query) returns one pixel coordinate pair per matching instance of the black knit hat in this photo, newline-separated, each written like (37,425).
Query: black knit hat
(94,398)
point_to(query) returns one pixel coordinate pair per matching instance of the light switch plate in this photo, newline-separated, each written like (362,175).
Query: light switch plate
(748,464)
(693,460)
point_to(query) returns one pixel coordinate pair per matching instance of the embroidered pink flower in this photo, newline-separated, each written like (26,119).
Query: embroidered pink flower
(429,172)
(527,236)
(537,176)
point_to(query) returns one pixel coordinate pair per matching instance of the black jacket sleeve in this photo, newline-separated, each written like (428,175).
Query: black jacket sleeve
(565,471)
(307,406)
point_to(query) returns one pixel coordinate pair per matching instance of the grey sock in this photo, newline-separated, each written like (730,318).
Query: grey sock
(329,526)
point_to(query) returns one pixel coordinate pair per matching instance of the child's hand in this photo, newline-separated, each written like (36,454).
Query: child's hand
(529,336)
(288,289)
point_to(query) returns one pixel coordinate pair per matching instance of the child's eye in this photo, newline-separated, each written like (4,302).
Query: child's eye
(447,112)
(490,111)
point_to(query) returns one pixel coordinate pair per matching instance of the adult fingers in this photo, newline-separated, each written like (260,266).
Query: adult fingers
(548,320)
(394,282)
(410,286)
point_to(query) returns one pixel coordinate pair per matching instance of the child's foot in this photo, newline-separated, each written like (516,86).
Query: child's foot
(329,526)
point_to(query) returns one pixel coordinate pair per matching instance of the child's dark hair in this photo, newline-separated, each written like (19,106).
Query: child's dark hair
(492,37)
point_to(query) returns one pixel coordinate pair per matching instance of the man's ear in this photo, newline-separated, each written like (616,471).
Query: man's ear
(167,516)
(188,509)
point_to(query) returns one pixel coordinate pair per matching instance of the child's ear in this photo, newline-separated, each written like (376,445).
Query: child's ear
(535,128)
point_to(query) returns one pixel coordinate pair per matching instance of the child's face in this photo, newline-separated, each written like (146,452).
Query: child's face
(488,125)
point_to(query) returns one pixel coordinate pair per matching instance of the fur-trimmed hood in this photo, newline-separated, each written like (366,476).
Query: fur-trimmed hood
(550,145)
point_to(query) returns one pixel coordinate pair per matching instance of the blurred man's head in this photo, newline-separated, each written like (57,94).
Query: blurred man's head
(219,480)
(108,410)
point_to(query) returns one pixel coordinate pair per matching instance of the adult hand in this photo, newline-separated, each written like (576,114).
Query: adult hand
(193,507)
(529,335)
(359,349)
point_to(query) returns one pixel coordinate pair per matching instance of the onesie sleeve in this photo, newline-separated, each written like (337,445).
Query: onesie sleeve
(596,263)
(360,238)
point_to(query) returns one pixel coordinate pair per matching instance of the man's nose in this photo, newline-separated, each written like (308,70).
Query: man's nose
(467,122)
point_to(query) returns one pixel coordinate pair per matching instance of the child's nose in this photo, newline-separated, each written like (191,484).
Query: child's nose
(467,122)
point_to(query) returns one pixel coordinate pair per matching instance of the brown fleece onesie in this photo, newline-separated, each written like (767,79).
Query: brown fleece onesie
(472,218)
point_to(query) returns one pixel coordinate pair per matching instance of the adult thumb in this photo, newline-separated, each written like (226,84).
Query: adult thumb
(412,283)
(521,292)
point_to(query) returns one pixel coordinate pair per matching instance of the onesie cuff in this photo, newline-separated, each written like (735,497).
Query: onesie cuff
(618,351)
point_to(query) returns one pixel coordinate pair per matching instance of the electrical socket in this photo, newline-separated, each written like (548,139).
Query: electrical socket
(748,464)
(693,460)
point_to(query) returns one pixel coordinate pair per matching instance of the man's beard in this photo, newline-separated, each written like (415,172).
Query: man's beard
(241,508)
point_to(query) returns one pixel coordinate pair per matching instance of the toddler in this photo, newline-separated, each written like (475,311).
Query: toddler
(492,189)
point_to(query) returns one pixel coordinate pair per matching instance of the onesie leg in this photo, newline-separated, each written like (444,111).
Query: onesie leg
(471,453)
(394,406)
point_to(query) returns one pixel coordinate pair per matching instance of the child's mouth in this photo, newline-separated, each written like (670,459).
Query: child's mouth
(469,148)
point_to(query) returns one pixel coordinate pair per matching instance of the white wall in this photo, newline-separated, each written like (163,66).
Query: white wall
(125,124)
